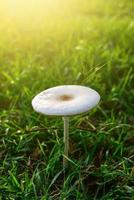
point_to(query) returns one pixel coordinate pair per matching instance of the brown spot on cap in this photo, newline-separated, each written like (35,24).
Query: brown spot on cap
(65,97)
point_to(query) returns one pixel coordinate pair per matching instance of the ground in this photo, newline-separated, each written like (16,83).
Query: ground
(80,42)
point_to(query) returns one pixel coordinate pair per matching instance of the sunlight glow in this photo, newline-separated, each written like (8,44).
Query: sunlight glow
(27,13)
(20,6)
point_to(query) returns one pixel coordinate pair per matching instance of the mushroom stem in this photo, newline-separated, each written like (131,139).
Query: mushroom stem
(66,139)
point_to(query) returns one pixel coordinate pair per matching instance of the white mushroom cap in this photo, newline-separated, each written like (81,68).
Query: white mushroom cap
(65,100)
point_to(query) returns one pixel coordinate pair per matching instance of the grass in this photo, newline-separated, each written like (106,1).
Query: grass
(86,43)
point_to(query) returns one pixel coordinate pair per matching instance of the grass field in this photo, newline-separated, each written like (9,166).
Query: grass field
(81,42)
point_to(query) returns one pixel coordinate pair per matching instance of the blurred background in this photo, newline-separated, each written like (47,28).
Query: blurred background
(65,42)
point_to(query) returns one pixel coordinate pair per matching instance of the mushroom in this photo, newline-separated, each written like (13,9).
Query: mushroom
(65,101)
